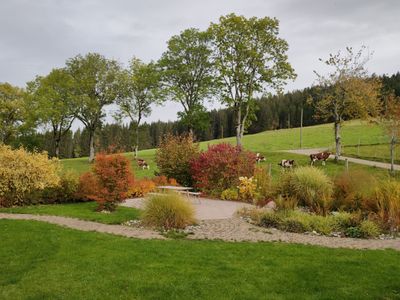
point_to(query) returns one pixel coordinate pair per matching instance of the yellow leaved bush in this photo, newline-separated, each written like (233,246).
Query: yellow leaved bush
(23,172)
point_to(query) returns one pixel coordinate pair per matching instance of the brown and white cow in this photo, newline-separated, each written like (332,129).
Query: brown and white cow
(287,163)
(259,158)
(142,164)
(319,156)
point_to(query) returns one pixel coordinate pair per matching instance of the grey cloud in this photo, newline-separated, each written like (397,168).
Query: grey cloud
(36,36)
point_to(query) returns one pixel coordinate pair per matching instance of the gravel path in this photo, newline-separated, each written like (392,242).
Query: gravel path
(236,229)
(233,229)
(73,223)
(350,159)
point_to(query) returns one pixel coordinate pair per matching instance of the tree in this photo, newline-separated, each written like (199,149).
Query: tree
(97,83)
(53,101)
(249,57)
(391,121)
(140,91)
(187,75)
(347,91)
(12,111)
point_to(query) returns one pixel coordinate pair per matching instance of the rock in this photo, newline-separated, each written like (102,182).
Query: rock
(271,205)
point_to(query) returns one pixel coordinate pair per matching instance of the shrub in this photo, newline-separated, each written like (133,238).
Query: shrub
(22,173)
(247,189)
(353,232)
(310,186)
(141,188)
(169,211)
(220,167)
(163,180)
(230,194)
(352,189)
(113,177)
(285,202)
(65,192)
(294,224)
(174,156)
(270,219)
(369,229)
(385,203)
(87,187)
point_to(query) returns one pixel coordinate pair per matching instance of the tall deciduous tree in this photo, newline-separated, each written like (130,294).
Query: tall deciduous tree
(12,112)
(391,122)
(97,83)
(187,75)
(249,56)
(141,83)
(52,100)
(347,92)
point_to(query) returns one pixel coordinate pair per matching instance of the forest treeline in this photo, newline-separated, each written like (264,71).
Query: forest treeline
(273,112)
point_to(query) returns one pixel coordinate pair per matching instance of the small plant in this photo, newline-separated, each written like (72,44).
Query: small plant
(270,219)
(353,232)
(230,194)
(220,167)
(264,183)
(174,156)
(285,202)
(169,211)
(369,229)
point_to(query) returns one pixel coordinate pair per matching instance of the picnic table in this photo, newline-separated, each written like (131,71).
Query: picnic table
(180,189)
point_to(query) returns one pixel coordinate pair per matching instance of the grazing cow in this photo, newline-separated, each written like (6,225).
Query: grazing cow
(286,163)
(143,164)
(319,156)
(259,158)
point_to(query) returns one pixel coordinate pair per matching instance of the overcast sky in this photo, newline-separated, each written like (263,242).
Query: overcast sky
(38,35)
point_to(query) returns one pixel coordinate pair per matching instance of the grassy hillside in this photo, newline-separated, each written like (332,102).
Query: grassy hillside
(270,143)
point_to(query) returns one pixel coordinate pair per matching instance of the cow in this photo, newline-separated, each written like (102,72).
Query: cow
(259,158)
(319,156)
(287,163)
(143,164)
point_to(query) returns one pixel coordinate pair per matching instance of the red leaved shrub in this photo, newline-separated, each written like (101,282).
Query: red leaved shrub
(109,181)
(88,187)
(220,167)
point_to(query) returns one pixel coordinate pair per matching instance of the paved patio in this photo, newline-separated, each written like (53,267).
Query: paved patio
(206,209)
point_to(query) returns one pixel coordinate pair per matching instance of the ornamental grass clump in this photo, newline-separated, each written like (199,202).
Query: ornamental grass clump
(310,186)
(168,211)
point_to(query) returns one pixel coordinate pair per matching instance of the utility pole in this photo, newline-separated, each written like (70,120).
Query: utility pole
(301,127)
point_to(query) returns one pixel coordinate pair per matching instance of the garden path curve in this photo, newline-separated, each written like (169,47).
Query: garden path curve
(359,161)
(233,229)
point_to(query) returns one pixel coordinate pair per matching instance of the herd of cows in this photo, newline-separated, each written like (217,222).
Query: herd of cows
(284,163)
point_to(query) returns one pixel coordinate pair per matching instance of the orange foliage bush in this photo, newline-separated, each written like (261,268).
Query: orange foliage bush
(163,180)
(110,181)
(141,188)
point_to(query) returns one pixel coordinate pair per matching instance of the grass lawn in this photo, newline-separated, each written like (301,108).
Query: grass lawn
(269,143)
(84,211)
(372,152)
(44,261)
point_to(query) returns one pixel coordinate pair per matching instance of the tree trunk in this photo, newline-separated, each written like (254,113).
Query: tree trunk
(91,146)
(57,148)
(239,125)
(338,141)
(137,141)
(392,145)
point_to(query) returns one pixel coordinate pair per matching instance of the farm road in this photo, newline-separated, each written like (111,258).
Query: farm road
(371,163)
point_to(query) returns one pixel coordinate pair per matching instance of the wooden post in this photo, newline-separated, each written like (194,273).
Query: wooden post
(301,128)
(347,164)
(358,148)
